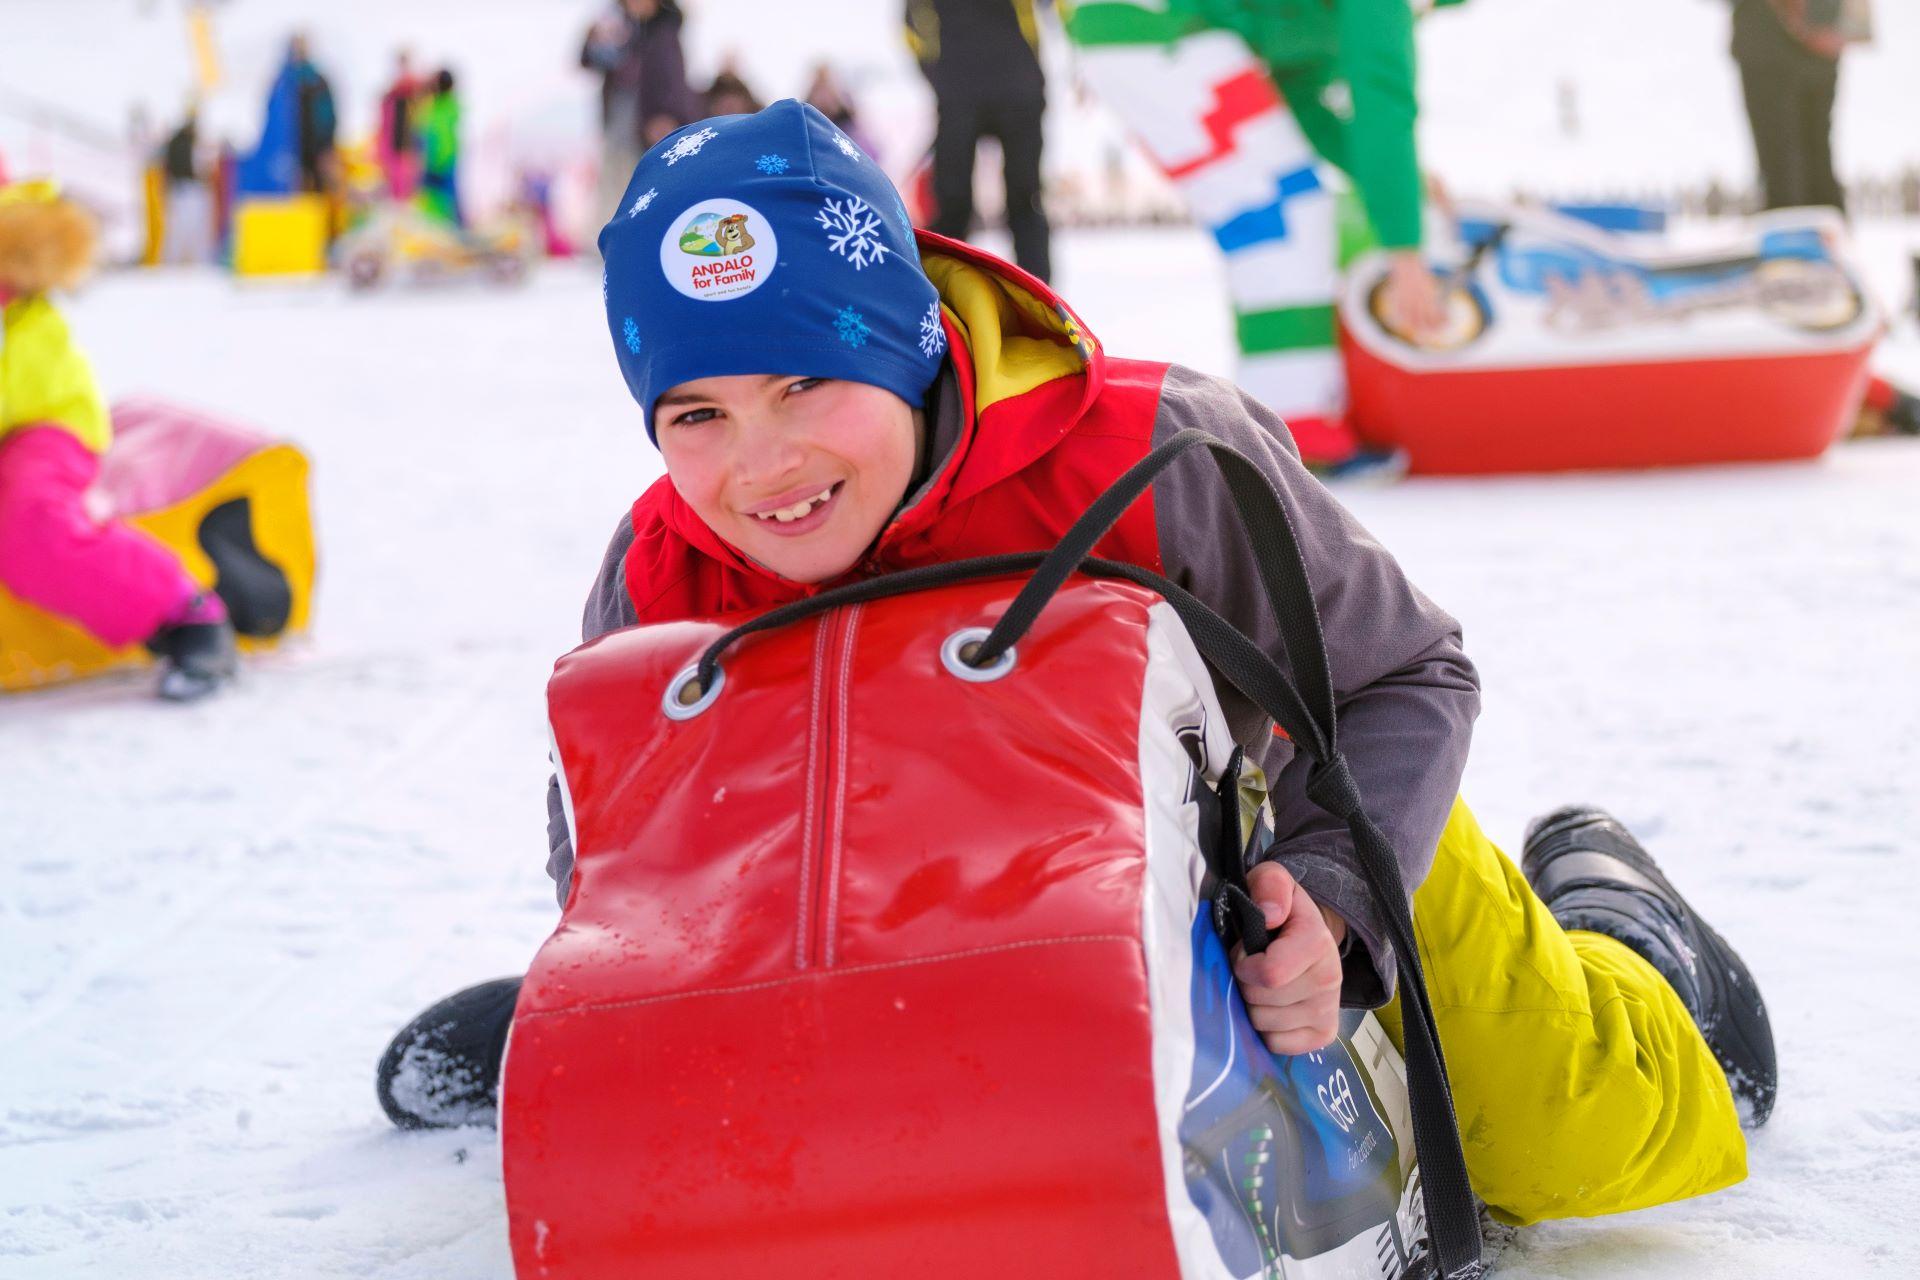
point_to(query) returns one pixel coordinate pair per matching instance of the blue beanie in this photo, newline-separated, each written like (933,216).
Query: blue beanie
(767,243)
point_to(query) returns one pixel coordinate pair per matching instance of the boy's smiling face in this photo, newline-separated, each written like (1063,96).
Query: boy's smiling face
(797,474)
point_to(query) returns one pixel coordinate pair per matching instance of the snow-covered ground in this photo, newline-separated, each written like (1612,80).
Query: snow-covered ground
(212,917)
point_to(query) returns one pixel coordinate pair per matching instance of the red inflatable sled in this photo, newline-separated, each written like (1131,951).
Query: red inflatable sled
(1571,347)
(884,957)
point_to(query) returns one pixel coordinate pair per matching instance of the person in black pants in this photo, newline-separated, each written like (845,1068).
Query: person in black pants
(982,59)
(1788,52)
(315,121)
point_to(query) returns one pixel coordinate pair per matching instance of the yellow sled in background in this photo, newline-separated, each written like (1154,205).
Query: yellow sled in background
(232,504)
(400,242)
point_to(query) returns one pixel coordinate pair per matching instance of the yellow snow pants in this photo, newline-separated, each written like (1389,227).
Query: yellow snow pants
(1581,1083)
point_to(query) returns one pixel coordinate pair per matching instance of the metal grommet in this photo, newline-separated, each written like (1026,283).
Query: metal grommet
(963,644)
(685,699)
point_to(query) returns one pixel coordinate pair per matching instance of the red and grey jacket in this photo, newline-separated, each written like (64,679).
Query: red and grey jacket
(1030,421)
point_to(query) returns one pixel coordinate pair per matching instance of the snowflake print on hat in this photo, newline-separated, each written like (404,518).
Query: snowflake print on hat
(853,231)
(641,202)
(846,146)
(771,165)
(631,332)
(852,328)
(933,337)
(690,145)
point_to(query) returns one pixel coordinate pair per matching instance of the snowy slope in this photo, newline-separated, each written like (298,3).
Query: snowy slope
(211,918)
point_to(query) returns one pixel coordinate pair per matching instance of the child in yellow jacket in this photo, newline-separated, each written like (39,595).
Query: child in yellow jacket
(116,582)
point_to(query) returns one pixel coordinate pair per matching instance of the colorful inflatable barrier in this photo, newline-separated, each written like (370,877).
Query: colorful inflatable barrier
(230,502)
(1568,347)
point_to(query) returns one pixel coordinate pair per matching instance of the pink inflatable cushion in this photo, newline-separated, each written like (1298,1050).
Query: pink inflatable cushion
(161,453)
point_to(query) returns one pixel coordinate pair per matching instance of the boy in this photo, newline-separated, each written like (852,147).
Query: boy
(836,402)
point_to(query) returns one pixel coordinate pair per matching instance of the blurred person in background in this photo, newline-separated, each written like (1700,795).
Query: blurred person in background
(1788,52)
(643,86)
(1281,87)
(439,139)
(982,58)
(316,121)
(295,152)
(395,143)
(118,584)
(189,212)
(826,95)
(729,94)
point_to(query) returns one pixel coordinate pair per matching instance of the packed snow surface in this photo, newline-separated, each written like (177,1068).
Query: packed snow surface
(212,917)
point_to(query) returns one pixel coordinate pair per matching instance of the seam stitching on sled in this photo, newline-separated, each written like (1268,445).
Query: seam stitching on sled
(806,817)
(838,814)
(844,971)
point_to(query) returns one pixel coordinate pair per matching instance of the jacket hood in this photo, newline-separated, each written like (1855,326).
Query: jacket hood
(1027,370)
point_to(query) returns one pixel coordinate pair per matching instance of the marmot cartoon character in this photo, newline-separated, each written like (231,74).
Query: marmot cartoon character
(731,235)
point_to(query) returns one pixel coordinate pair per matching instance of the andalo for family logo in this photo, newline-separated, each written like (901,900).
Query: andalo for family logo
(718,249)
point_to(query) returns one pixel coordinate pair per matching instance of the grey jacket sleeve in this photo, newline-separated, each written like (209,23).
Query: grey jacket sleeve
(609,608)
(1406,694)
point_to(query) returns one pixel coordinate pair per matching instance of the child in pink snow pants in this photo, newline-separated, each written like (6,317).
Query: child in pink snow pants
(121,585)
(115,581)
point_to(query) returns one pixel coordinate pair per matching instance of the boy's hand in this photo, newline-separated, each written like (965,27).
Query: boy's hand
(1292,989)
(1413,302)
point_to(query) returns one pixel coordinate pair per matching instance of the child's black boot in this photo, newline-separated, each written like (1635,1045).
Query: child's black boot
(443,1070)
(1593,875)
(196,650)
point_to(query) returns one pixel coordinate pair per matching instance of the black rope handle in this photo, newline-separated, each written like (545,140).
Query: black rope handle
(903,582)
(1310,720)
(1265,685)
(1276,553)
(1236,916)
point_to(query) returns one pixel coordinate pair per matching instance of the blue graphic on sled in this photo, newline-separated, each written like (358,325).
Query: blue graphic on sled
(1644,218)
(1284,1155)
(1531,262)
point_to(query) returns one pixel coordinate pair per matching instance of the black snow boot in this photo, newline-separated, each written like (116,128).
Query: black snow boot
(1594,875)
(196,652)
(1903,415)
(443,1070)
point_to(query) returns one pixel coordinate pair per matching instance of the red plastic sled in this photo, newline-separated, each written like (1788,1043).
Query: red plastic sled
(834,955)
(875,967)
(1572,348)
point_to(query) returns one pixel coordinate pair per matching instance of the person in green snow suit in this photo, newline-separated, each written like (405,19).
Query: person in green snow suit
(1241,102)
(439,142)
